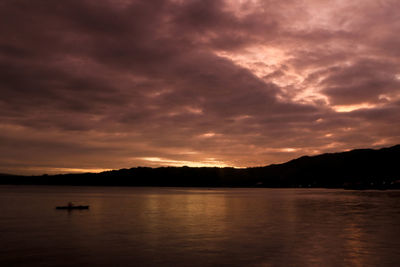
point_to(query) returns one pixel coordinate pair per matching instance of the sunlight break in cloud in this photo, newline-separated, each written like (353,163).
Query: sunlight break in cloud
(168,162)
(92,85)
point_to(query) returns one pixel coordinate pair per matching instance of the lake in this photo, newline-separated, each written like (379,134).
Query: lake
(130,226)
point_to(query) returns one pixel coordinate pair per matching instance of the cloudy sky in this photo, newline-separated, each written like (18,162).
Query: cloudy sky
(88,85)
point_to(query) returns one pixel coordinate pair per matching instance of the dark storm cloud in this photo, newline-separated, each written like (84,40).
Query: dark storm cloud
(111,84)
(365,80)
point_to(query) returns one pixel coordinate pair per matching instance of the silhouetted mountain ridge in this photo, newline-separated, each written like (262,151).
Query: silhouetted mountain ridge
(356,168)
(360,168)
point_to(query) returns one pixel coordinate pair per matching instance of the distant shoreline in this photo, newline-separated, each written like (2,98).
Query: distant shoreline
(360,169)
(201,187)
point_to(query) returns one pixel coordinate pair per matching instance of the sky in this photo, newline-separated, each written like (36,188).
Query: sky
(92,85)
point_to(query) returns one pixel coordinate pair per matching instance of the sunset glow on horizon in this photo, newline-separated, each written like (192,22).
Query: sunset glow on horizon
(88,85)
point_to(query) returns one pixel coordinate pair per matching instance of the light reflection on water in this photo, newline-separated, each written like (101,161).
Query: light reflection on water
(199,227)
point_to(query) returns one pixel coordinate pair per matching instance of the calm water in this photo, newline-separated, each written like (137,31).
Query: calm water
(198,227)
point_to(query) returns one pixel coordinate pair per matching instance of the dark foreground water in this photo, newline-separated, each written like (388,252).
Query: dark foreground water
(198,227)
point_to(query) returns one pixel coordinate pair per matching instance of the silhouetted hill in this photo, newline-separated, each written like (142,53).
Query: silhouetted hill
(360,169)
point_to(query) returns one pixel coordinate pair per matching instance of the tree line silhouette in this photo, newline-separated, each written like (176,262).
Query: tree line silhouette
(356,169)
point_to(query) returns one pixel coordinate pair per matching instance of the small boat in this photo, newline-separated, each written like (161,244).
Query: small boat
(71,206)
